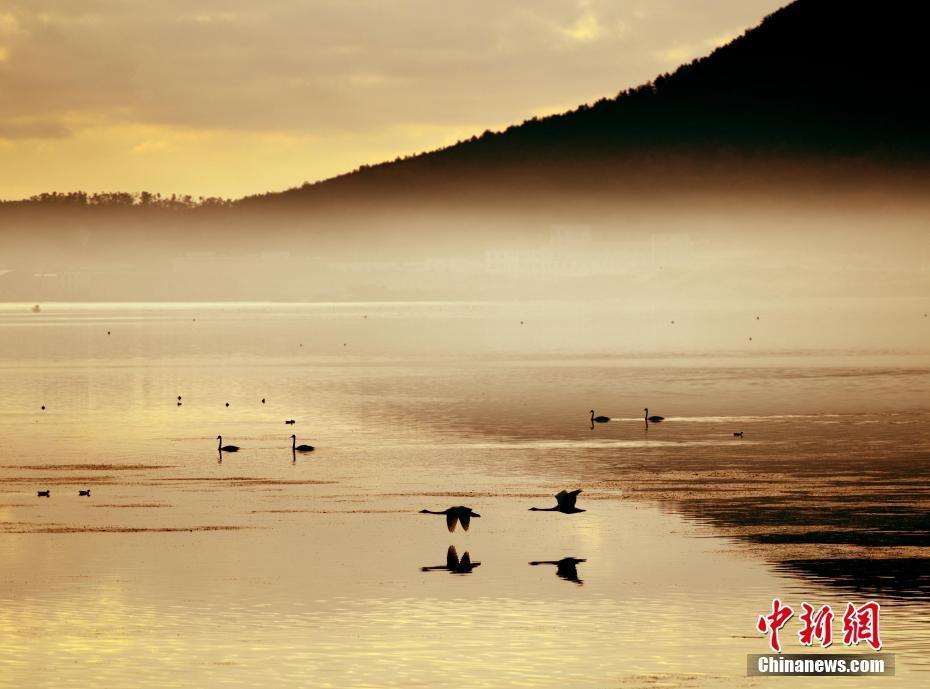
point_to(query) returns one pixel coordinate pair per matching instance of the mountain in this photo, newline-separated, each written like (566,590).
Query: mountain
(826,83)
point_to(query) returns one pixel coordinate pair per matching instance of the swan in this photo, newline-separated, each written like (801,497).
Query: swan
(454,515)
(738,434)
(653,419)
(599,419)
(44,493)
(299,448)
(566,503)
(226,448)
(85,493)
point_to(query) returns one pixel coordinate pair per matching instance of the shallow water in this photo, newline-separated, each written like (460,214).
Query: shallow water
(186,568)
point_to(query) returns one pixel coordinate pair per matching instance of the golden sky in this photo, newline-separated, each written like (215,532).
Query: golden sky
(230,97)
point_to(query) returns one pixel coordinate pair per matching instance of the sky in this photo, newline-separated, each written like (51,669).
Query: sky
(233,97)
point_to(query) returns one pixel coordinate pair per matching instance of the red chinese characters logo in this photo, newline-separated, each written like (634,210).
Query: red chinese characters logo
(859,624)
(771,624)
(817,625)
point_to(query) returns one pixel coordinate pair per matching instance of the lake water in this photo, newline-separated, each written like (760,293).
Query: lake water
(187,568)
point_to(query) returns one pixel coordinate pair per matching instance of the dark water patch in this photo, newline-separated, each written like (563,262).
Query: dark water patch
(872,539)
(903,578)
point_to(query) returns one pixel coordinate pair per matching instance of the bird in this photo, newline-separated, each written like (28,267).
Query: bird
(738,434)
(566,568)
(299,448)
(290,422)
(44,493)
(566,503)
(43,407)
(454,564)
(226,448)
(179,398)
(85,493)
(454,515)
(263,400)
(227,404)
(653,419)
(599,419)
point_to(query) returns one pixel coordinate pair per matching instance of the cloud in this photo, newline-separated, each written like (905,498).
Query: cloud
(297,66)
(33,129)
(346,69)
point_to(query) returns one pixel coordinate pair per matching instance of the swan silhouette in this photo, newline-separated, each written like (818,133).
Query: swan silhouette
(44,493)
(453,564)
(299,448)
(84,493)
(653,419)
(599,419)
(566,503)
(454,515)
(226,448)
(566,568)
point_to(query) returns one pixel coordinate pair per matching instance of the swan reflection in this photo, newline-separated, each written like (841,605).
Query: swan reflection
(454,565)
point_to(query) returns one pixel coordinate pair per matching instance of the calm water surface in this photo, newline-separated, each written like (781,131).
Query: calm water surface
(189,569)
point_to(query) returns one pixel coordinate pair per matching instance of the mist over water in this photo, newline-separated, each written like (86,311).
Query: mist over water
(228,565)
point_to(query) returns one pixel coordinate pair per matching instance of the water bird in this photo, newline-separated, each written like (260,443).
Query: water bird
(227,404)
(738,434)
(108,332)
(454,564)
(43,407)
(226,448)
(179,398)
(44,494)
(84,493)
(599,419)
(299,448)
(566,503)
(290,422)
(566,568)
(454,515)
(263,400)
(653,419)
